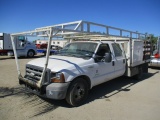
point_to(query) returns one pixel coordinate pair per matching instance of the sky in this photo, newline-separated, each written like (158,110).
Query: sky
(135,15)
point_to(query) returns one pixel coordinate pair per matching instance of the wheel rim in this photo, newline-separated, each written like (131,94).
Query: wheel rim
(79,92)
(30,54)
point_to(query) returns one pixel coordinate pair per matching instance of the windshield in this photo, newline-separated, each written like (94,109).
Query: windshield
(79,49)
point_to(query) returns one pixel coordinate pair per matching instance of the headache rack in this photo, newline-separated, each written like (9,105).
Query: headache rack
(78,30)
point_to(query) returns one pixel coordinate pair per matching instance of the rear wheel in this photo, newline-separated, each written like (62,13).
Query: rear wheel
(77,92)
(30,53)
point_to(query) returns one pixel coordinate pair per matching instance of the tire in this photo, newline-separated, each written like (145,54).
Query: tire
(77,92)
(30,53)
(139,76)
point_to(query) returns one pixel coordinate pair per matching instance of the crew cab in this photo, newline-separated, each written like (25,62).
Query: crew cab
(90,58)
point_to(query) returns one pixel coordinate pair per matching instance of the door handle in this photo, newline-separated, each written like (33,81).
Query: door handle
(113,63)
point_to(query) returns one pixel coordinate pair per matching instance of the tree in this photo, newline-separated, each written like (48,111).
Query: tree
(153,39)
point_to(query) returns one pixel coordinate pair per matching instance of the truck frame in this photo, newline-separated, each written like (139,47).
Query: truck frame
(84,30)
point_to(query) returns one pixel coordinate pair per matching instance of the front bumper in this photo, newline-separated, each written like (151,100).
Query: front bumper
(57,90)
(53,91)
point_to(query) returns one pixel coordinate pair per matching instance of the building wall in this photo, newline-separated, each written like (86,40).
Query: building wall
(60,43)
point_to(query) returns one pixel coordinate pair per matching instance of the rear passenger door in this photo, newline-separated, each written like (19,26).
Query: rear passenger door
(118,60)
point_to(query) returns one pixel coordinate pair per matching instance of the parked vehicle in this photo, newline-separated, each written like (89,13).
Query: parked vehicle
(56,47)
(23,47)
(42,48)
(81,65)
(155,61)
(44,51)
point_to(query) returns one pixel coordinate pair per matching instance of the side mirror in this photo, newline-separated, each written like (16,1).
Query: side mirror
(22,43)
(108,57)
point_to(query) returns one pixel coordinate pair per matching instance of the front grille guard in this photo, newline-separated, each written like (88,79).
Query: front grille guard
(32,86)
(32,80)
(23,80)
(35,73)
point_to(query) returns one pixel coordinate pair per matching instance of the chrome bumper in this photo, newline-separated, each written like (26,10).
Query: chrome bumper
(155,62)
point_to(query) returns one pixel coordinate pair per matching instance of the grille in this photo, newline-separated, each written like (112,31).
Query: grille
(34,73)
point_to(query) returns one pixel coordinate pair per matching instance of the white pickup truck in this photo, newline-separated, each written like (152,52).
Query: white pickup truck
(79,67)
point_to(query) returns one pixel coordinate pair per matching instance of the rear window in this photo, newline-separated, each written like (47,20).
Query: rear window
(117,49)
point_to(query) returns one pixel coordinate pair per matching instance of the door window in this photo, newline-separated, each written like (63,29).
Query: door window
(103,48)
(117,50)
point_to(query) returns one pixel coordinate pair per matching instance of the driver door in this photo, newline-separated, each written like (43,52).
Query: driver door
(105,70)
(21,42)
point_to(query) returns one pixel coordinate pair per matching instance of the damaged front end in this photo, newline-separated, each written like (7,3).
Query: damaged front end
(32,78)
(50,86)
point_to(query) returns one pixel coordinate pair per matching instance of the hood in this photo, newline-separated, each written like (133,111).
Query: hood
(57,63)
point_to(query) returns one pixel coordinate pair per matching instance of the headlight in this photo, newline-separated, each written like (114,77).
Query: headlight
(57,77)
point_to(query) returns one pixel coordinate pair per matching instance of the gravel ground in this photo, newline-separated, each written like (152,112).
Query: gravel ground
(120,99)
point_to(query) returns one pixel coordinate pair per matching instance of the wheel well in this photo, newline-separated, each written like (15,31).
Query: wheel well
(86,78)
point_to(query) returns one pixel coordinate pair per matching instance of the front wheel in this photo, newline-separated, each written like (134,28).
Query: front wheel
(30,53)
(77,92)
